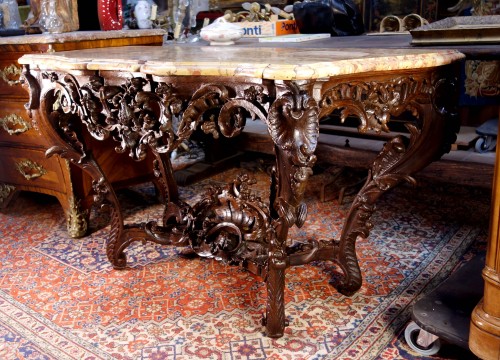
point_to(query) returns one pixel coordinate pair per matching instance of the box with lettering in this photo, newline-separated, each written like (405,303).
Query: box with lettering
(268,28)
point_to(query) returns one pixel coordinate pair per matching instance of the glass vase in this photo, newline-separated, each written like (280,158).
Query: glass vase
(50,21)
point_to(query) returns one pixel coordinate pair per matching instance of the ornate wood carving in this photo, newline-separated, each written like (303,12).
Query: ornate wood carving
(231,223)
(374,103)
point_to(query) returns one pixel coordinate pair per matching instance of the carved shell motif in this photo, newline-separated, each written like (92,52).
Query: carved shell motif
(293,126)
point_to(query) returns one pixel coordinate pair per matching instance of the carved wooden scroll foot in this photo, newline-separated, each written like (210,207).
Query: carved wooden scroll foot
(427,99)
(382,177)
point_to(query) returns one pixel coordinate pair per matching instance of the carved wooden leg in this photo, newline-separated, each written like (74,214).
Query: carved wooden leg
(397,162)
(165,182)
(293,126)
(358,219)
(275,309)
(104,196)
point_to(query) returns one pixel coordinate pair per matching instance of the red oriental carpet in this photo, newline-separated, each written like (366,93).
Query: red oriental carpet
(60,298)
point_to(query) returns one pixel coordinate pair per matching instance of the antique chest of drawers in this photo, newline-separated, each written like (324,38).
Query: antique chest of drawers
(23,164)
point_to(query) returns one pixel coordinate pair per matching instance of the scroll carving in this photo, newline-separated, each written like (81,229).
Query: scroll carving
(134,116)
(293,126)
(231,223)
(140,119)
(374,103)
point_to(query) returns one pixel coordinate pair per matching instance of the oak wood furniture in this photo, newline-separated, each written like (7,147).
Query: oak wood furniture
(134,95)
(23,165)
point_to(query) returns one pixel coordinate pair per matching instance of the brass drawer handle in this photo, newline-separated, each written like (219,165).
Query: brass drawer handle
(14,124)
(30,169)
(9,72)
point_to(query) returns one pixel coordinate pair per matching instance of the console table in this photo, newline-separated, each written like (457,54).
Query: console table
(23,165)
(135,95)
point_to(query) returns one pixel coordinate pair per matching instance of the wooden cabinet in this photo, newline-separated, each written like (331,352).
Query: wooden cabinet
(23,164)
(484,338)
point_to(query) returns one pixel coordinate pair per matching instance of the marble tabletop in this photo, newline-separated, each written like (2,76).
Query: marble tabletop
(49,38)
(273,63)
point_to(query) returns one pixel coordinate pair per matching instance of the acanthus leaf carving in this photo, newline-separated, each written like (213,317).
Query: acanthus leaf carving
(294,128)
(375,102)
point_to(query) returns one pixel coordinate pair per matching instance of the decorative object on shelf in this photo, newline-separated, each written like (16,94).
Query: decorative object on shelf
(253,12)
(110,14)
(413,21)
(233,4)
(54,16)
(393,23)
(10,15)
(142,13)
(258,20)
(50,20)
(375,11)
(478,7)
(221,32)
(339,18)
(179,16)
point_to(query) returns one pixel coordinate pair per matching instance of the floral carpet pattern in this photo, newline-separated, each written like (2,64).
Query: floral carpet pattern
(61,299)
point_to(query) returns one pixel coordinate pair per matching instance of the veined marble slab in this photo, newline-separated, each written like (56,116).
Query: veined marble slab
(272,63)
(48,38)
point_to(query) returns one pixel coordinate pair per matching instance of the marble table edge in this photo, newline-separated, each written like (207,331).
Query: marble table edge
(258,69)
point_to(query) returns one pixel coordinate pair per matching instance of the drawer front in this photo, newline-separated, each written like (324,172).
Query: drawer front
(16,126)
(26,167)
(10,71)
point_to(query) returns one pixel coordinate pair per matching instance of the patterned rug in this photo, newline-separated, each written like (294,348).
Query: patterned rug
(61,299)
